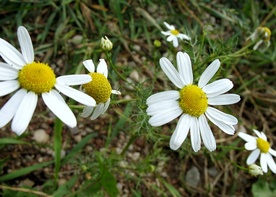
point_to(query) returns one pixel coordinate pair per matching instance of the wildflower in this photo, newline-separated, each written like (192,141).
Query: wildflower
(261,35)
(259,145)
(255,170)
(99,88)
(106,44)
(174,34)
(192,103)
(33,79)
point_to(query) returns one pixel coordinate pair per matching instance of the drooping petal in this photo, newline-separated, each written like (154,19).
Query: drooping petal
(253,156)
(195,134)
(271,163)
(76,79)
(181,131)
(175,42)
(106,105)
(171,72)
(8,111)
(76,95)
(11,55)
(224,99)
(87,111)
(24,113)
(246,137)
(264,162)
(216,115)
(89,65)
(217,87)
(7,72)
(7,87)
(162,106)
(59,108)
(208,73)
(26,44)
(97,111)
(206,133)
(102,68)
(163,96)
(164,117)
(184,67)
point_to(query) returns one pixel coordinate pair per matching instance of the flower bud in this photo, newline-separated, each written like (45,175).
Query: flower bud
(106,44)
(255,170)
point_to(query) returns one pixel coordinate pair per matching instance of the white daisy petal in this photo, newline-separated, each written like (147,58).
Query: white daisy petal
(161,106)
(76,95)
(9,109)
(89,65)
(26,44)
(263,136)
(76,79)
(7,87)
(250,146)
(171,72)
(171,38)
(216,115)
(116,92)
(102,68)
(60,109)
(97,111)
(217,87)
(175,42)
(225,99)
(106,105)
(184,66)
(181,132)
(166,33)
(170,27)
(258,133)
(271,163)
(167,116)
(206,133)
(253,156)
(163,96)
(7,72)
(87,111)
(263,162)
(11,55)
(24,113)
(195,134)
(246,137)
(209,73)
(183,36)
(272,152)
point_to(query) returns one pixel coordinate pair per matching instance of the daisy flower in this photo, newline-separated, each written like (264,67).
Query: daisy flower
(31,79)
(173,35)
(259,145)
(99,88)
(262,35)
(192,103)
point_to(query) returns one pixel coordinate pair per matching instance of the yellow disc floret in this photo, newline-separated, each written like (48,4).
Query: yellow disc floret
(193,100)
(99,88)
(175,32)
(263,145)
(37,77)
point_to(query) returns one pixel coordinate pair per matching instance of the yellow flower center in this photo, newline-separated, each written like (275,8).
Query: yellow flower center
(265,33)
(193,100)
(99,88)
(37,77)
(263,145)
(175,32)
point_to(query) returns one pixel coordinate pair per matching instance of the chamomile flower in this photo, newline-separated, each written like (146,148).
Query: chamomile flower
(261,36)
(99,88)
(173,35)
(32,79)
(192,103)
(259,146)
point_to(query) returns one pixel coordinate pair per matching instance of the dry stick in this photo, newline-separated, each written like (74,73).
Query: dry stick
(268,16)
(25,190)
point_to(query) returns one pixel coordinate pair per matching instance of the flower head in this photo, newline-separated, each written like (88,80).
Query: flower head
(261,35)
(259,145)
(106,44)
(99,88)
(173,35)
(255,170)
(192,103)
(31,79)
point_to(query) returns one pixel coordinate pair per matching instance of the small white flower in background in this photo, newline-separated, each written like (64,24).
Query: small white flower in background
(192,103)
(34,79)
(106,44)
(173,35)
(261,35)
(99,88)
(255,170)
(259,145)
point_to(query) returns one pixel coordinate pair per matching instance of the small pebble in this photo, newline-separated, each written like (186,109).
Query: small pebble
(41,136)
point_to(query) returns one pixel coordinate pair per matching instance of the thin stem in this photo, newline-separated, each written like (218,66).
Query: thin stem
(57,146)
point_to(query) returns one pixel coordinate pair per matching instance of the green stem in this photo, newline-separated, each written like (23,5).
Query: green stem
(57,146)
